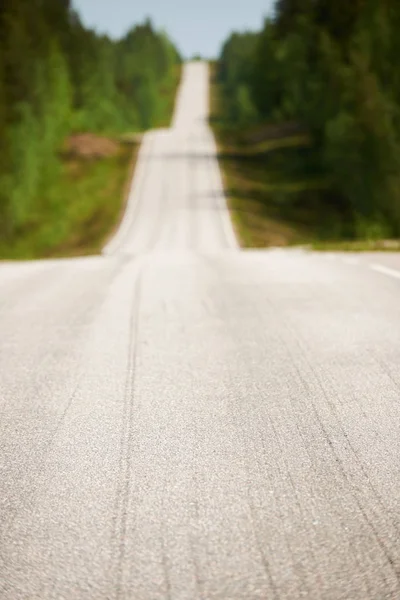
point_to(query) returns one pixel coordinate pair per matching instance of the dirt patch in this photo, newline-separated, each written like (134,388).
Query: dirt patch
(89,146)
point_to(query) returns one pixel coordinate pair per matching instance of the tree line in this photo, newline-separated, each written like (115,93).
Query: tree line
(58,76)
(332,67)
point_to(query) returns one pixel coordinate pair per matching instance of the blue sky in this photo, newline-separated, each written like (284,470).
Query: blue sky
(199,26)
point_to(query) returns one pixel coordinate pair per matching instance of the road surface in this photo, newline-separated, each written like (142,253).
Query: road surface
(183,420)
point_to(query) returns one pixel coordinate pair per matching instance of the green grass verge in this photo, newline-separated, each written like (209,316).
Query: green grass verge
(249,186)
(83,207)
(275,193)
(357,246)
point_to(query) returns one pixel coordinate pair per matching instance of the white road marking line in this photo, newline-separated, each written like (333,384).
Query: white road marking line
(385,270)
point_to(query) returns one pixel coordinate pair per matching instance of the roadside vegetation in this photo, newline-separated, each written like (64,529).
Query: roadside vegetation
(59,80)
(83,205)
(307,117)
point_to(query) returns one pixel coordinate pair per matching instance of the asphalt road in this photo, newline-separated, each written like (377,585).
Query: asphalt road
(183,420)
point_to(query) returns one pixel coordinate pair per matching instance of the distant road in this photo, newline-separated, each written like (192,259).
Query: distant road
(183,420)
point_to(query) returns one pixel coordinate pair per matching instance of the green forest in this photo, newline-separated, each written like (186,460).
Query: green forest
(57,78)
(318,89)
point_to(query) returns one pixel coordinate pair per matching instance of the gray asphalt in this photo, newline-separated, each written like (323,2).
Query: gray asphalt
(180,419)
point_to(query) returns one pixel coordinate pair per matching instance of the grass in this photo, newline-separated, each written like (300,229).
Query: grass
(252,188)
(276,194)
(83,207)
(358,246)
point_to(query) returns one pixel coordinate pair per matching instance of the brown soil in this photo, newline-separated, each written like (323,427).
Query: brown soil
(90,146)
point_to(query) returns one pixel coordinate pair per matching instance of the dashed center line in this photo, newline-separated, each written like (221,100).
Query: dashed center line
(351,260)
(385,270)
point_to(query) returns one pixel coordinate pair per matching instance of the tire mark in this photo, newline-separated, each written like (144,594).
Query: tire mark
(125,468)
(166,568)
(44,453)
(216,269)
(385,551)
(306,387)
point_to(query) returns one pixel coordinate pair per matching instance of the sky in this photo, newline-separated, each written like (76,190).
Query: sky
(196,27)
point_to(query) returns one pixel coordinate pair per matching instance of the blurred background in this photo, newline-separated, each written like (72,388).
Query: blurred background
(305,105)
